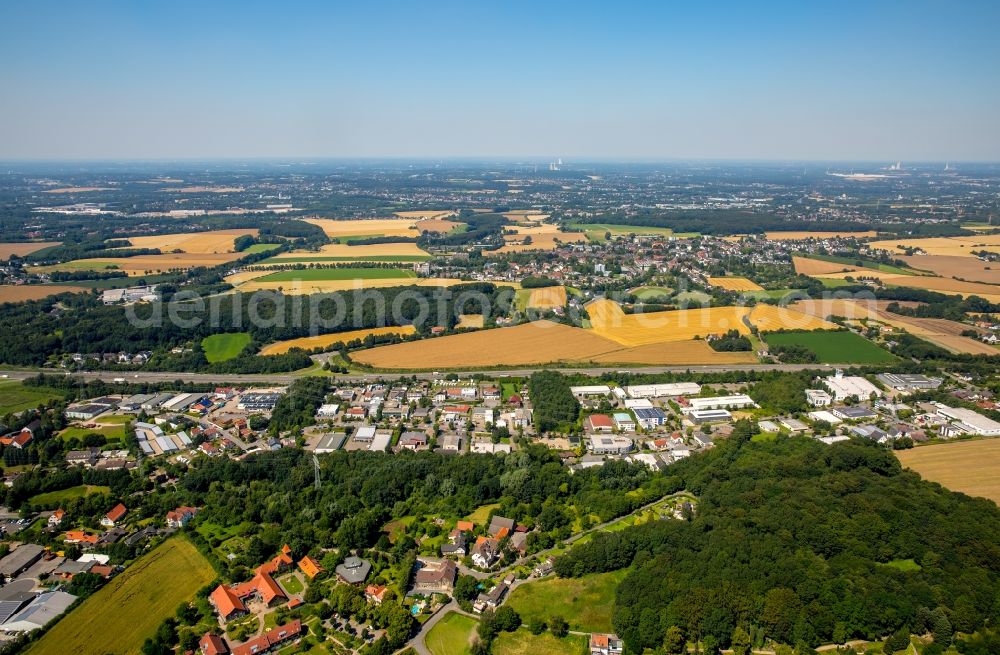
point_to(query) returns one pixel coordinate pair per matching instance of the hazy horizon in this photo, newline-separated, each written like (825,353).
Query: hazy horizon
(847,82)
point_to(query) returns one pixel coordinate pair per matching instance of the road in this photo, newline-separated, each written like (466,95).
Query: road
(288,378)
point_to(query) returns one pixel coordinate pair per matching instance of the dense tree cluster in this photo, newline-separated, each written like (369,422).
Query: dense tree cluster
(554,405)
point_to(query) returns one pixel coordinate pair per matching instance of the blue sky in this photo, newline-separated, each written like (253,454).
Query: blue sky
(659,80)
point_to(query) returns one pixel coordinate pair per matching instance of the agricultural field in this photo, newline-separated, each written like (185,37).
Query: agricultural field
(428,214)
(546,297)
(222,347)
(251,281)
(131,607)
(587,603)
(23,248)
(543,237)
(327,340)
(65,495)
(258,248)
(972,467)
(440,225)
(596,231)
(342,252)
(470,321)
(452,635)
(964,268)
(810,266)
(525,216)
(145,264)
(522,642)
(768,318)
(799,236)
(608,320)
(676,353)
(834,347)
(947,246)
(22,292)
(941,332)
(15,397)
(735,283)
(204,189)
(78,189)
(202,243)
(382,227)
(324,274)
(648,292)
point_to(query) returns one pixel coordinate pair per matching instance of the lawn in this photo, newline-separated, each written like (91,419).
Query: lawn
(317,274)
(15,397)
(111,432)
(646,293)
(834,347)
(452,635)
(772,294)
(480,515)
(61,496)
(120,616)
(291,584)
(220,347)
(260,247)
(523,642)
(587,603)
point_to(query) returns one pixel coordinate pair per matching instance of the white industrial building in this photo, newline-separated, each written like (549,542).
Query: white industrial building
(591,390)
(971,421)
(844,386)
(671,389)
(818,398)
(739,401)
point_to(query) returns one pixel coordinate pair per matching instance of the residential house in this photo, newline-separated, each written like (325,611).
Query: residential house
(606,644)
(310,567)
(112,518)
(354,570)
(179,517)
(435,576)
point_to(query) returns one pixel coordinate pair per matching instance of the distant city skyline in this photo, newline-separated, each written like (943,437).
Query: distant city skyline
(844,81)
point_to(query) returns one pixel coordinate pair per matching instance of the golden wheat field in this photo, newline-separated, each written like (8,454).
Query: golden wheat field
(807,266)
(358,253)
(680,353)
(402,227)
(22,249)
(972,467)
(327,340)
(470,321)
(948,246)
(608,320)
(543,237)
(965,268)
(735,283)
(305,287)
(203,243)
(436,225)
(547,298)
(539,342)
(848,308)
(425,213)
(768,318)
(22,292)
(799,236)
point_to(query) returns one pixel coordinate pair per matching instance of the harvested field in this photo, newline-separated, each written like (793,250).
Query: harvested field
(22,292)
(847,307)
(539,342)
(963,345)
(305,287)
(25,248)
(327,340)
(324,274)
(965,268)
(768,318)
(608,320)
(437,225)
(947,246)
(425,213)
(942,332)
(799,236)
(470,321)
(972,467)
(402,227)
(547,298)
(680,353)
(946,285)
(215,241)
(807,266)
(205,189)
(525,216)
(543,237)
(735,283)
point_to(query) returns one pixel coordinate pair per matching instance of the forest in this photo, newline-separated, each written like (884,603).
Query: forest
(802,543)
(554,405)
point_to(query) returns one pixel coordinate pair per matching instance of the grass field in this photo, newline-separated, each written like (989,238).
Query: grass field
(972,467)
(587,603)
(203,243)
(452,635)
(22,292)
(481,513)
(647,293)
(63,495)
(522,642)
(596,231)
(221,347)
(120,616)
(110,432)
(834,347)
(15,397)
(735,283)
(24,248)
(313,274)
(326,340)
(258,248)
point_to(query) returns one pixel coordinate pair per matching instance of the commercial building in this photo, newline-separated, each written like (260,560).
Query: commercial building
(609,445)
(739,401)
(972,422)
(668,390)
(845,386)
(909,381)
(818,398)
(709,415)
(650,417)
(592,390)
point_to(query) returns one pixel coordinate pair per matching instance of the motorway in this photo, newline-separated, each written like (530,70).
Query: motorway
(288,378)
